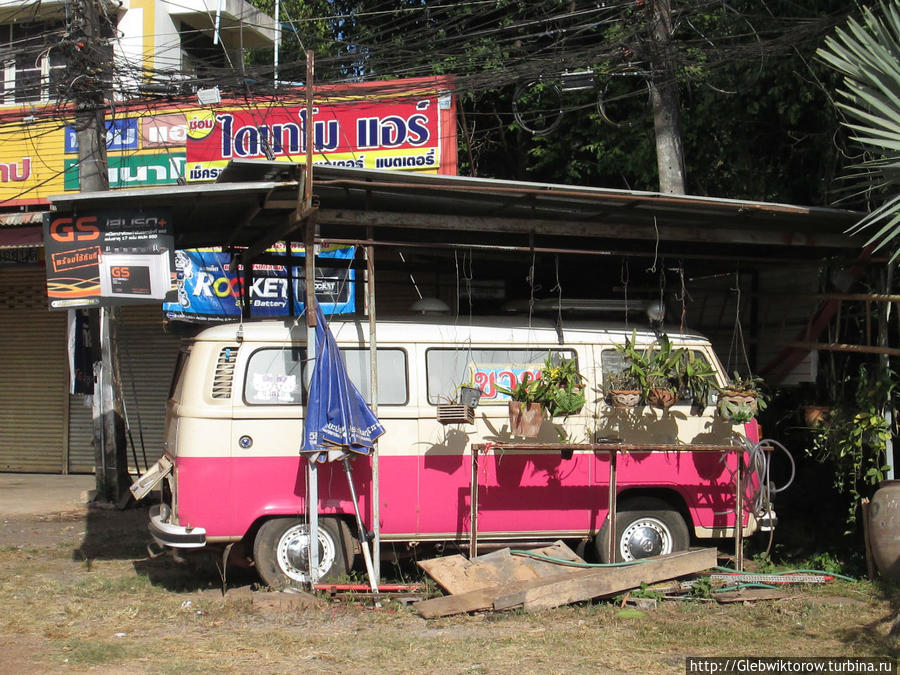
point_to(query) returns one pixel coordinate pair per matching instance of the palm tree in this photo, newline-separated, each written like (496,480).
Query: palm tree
(867,54)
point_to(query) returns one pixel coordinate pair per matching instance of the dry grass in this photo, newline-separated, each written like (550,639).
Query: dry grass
(121,612)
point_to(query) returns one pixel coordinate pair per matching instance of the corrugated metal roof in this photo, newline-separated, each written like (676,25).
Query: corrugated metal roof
(255,197)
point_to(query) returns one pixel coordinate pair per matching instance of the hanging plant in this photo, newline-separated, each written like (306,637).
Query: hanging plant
(741,399)
(559,391)
(623,390)
(696,377)
(562,387)
(655,369)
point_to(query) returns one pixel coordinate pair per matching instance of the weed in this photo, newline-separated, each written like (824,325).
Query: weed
(702,588)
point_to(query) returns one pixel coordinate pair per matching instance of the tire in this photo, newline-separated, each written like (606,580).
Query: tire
(280,551)
(644,528)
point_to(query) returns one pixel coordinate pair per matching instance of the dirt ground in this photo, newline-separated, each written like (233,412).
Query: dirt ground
(80,594)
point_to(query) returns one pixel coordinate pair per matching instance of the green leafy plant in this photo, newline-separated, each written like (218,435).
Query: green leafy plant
(559,389)
(652,367)
(742,398)
(563,387)
(527,390)
(697,377)
(854,442)
(702,588)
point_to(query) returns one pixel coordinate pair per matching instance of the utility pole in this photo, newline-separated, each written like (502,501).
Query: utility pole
(87,88)
(664,99)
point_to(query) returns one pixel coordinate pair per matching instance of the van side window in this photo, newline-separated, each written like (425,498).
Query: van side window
(275,376)
(447,369)
(392,374)
(614,362)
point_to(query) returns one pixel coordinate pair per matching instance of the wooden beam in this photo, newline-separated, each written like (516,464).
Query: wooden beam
(841,347)
(290,225)
(595,583)
(571,585)
(579,228)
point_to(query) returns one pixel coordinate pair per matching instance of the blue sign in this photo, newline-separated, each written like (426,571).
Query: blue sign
(121,134)
(207,289)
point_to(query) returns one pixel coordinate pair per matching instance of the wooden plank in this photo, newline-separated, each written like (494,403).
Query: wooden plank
(561,585)
(594,583)
(455,574)
(446,605)
(749,595)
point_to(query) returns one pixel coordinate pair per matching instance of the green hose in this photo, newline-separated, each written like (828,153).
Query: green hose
(571,563)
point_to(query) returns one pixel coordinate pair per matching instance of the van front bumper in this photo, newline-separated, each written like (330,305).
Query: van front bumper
(173,536)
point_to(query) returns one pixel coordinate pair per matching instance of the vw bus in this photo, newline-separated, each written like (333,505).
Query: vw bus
(233,471)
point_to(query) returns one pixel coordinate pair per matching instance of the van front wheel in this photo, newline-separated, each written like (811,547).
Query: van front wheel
(644,528)
(281,552)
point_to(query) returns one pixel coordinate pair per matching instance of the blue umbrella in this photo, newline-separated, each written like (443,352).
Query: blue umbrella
(338,422)
(337,415)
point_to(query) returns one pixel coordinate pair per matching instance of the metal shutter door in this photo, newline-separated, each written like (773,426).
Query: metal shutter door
(147,358)
(33,377)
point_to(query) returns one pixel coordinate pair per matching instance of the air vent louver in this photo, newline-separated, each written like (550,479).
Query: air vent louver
(221,388)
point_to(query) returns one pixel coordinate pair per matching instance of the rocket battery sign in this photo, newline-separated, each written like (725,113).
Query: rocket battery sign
(210,290)
(108,258)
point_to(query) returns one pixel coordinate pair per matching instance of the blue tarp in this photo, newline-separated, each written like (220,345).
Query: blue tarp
(337,415)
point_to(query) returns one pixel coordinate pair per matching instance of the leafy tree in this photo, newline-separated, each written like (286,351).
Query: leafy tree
(756,119)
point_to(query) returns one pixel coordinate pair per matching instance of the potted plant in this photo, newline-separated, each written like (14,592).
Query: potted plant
(623,390)
(562,387)
(655,369)
(525,406)
(559,390)
(741,399)
(696,378)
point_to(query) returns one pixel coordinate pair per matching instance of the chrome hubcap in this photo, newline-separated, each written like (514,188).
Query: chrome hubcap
(293,553)
(644,538)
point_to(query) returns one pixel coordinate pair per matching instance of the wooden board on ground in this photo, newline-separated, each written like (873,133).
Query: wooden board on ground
(749,595)
(455,574)
(571,586)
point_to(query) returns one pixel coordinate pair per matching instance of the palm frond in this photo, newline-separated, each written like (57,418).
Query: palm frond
(867,54)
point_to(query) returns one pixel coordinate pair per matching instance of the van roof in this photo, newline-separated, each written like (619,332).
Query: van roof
(417,328)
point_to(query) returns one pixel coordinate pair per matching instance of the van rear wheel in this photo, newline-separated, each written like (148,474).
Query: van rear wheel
(644,528)
(281,552)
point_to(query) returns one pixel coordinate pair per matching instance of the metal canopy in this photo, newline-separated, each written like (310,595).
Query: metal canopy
(254,203)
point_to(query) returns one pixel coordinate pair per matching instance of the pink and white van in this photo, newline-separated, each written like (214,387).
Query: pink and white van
(233,472)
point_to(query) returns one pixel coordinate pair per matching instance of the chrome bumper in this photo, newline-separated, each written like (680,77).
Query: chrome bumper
(173,536)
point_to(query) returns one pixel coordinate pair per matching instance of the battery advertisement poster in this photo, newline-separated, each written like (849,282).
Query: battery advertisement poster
(210,289)
(108,257)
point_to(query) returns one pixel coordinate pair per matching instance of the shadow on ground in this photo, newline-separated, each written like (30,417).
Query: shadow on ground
(111,534)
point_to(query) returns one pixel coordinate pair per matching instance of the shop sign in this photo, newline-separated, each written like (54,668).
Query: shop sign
(134,170)
(209,290)
(109,257)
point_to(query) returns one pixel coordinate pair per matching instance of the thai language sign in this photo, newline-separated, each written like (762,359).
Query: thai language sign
(406,125)
(108,257)
(209,289)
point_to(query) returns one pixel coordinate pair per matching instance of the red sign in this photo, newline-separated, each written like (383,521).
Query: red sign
(412,132)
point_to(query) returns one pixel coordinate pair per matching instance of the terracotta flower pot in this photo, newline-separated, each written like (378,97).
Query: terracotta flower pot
(737,406)
(525,418)
(817,415)
(661,398)
(624,398)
